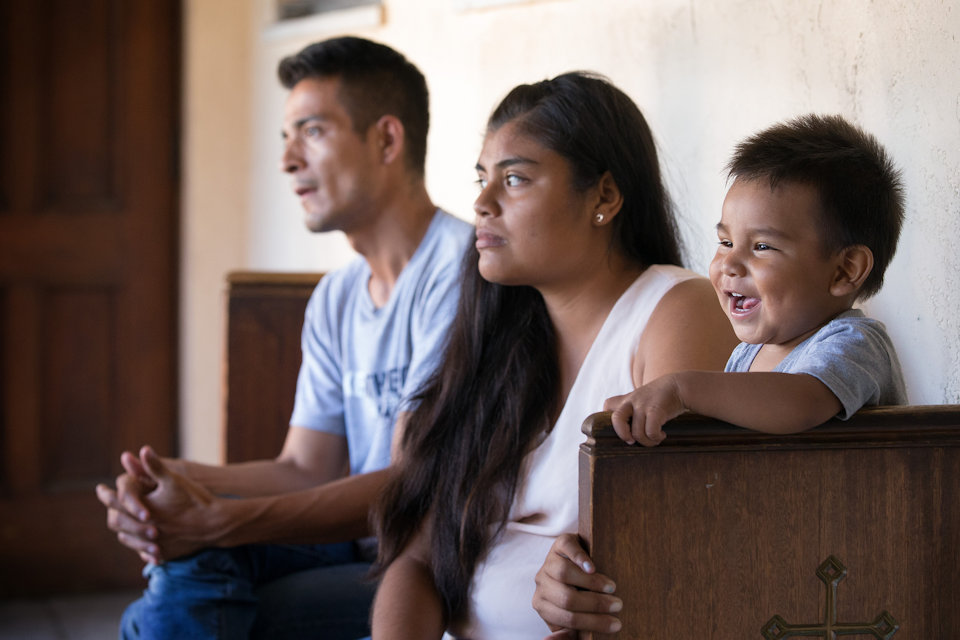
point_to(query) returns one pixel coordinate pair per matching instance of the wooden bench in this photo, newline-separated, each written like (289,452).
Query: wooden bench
(723,533)
(719,530)
(264,319)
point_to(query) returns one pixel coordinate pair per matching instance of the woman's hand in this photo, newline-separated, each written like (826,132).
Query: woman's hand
(571,595)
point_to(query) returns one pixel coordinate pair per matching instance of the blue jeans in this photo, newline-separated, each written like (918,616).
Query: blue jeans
(255,591)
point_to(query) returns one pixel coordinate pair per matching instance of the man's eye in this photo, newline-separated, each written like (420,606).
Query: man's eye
(482,183)
(513,180)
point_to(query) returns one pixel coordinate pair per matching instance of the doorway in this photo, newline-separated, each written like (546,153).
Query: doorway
(89,104)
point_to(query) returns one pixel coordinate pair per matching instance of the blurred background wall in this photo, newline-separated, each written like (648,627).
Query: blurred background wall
(706,73)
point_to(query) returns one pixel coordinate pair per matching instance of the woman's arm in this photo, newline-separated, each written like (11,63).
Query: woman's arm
(687,330)
(407,605)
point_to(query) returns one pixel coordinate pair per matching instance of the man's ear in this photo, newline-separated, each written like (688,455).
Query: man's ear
(854,265)
(390,136)
(609,199)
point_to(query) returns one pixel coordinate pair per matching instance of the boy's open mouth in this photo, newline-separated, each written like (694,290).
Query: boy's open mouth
(742,303)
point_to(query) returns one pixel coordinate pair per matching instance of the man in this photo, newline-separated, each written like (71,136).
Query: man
(355,128)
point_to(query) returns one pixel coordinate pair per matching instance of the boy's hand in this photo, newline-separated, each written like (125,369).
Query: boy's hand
(639,416)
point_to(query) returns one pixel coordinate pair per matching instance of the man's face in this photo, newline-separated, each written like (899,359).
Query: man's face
(334,169)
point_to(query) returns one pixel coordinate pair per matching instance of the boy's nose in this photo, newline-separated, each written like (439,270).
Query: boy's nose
(731,264)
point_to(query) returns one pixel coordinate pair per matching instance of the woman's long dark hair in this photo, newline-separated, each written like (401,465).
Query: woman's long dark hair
(497,390)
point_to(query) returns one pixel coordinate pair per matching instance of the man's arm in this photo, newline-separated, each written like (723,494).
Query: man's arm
(185,517)
(148,516)
(308,458)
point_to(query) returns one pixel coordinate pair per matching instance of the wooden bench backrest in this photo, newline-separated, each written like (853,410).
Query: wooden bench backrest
(718,530)
(264,321)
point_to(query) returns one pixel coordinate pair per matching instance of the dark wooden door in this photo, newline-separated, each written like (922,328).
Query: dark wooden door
(89,103)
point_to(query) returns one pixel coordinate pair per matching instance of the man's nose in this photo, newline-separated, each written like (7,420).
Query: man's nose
(292,160)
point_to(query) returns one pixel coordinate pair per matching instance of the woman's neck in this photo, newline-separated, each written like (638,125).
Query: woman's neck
(579,311)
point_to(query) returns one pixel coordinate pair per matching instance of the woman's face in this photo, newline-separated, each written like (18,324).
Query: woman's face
(533,227)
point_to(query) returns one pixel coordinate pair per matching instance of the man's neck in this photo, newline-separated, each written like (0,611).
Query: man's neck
(391,241)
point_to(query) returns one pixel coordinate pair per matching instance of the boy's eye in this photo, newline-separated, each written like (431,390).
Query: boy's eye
(725,243)
(482,182)
(513,180)
(762,246)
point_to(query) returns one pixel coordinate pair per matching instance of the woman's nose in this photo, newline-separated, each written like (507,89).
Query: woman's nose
(485,204)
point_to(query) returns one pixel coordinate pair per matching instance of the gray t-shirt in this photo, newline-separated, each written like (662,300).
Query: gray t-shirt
(360,362)
(851,354)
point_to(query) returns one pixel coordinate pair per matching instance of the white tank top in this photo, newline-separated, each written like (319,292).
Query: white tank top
(546,503)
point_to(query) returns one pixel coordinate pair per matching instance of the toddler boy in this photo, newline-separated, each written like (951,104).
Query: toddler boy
(808,227)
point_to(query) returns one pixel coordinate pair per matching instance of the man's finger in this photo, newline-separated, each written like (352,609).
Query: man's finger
(131,464)
(139,545)
(129,494)
(152,464)
(107,496)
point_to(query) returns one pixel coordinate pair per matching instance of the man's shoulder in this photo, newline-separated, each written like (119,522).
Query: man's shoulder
(448,227)
(443,246)
(343,280)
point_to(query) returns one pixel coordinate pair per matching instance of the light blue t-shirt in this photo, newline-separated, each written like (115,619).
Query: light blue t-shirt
(851,354)
(360,363)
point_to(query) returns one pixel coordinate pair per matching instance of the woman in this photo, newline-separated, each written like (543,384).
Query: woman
(570,295)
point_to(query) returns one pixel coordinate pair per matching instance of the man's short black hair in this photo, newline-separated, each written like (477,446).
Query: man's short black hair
(375,81)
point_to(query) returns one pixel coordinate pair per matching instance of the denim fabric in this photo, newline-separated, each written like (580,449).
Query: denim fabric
(255,591)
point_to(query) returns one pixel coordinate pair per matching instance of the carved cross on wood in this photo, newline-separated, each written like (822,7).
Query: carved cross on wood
(831,572)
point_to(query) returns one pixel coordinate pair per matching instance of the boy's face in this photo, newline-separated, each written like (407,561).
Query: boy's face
(771,272)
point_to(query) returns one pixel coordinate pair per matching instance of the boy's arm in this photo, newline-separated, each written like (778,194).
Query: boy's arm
(763,401)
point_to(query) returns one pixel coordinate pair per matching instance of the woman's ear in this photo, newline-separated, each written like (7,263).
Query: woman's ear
(854,265)
(390,136)
(609,200)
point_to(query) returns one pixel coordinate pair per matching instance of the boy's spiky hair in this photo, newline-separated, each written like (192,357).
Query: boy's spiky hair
(860,189)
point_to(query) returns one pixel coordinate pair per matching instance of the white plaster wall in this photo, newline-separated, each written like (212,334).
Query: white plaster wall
(218,36)
(706,73)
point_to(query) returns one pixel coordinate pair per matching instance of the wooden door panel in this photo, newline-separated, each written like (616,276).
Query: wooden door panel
(89,104)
